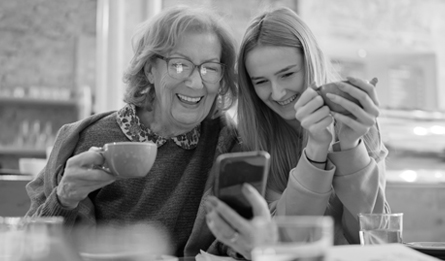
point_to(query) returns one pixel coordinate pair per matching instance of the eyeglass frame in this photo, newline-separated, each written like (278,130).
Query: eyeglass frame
(167,60)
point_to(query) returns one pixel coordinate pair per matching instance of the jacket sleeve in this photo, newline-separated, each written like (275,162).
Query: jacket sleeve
(359,182)
(47,204)
(307,193)
(42,190)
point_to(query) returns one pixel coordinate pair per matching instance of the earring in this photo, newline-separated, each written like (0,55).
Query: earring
(144,91)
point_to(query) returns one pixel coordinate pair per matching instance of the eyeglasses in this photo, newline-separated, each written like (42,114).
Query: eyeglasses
(182,68)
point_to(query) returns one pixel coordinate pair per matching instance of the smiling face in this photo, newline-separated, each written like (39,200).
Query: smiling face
(181,105)
(277,74)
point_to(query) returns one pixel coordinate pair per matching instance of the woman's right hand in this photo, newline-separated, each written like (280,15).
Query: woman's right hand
(232,229)
(315,117)
(82,175)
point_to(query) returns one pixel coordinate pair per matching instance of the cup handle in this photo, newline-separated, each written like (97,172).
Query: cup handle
(104,166)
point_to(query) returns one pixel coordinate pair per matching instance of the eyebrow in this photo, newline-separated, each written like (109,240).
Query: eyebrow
(280,71)
(216,59)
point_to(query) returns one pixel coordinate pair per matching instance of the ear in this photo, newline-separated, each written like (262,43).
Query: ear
(148,70)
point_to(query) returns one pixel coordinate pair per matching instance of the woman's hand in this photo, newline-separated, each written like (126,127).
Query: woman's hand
(232,229)
(82,175)
(315,117)
(351,129)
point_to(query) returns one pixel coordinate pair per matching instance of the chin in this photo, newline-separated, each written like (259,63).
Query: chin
(189,120)
(288,115)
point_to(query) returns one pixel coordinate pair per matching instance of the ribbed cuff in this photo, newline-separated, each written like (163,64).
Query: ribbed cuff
(350,161)
(54,208)
(312,178)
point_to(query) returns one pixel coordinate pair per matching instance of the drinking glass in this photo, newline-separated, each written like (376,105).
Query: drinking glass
(381,228)
(302,238)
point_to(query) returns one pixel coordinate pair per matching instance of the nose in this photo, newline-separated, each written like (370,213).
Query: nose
(278,92)
(194,81)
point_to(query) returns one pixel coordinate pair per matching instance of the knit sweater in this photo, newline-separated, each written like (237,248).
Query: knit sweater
(172,193)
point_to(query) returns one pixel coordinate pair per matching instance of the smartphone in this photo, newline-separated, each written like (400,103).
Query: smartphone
(235,169)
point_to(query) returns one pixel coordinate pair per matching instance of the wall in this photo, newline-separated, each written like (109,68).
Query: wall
(39,40)
(47,52)
(390,39)
(422,208)
(237,13)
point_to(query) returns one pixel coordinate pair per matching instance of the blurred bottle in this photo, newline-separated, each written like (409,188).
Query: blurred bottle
(22,139)
(35,134)
(45,240)
(85,100)
(47,137)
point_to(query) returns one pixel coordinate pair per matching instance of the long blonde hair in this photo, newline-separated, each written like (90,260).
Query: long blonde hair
(259,127)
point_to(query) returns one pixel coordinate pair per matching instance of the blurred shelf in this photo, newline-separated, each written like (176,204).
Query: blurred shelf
(34,101)
(8,172)
(38,153)
(414,114)
(16,177)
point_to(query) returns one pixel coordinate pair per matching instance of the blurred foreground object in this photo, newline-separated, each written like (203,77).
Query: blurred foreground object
(142,241)
(294,238)
(36,239)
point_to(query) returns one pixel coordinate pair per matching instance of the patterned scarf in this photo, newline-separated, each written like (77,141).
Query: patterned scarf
(135,130)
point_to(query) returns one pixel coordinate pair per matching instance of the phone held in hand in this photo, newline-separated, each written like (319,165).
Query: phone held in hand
(235,169)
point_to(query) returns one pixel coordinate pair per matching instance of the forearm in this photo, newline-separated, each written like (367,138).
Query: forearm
(359,183)
(307,183)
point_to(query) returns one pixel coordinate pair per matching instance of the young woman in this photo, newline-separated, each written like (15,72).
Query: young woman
(323,163)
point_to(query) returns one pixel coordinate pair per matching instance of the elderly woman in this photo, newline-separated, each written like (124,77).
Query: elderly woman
(180,82)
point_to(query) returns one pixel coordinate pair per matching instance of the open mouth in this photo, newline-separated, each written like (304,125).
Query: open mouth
(287,101)
(189,100)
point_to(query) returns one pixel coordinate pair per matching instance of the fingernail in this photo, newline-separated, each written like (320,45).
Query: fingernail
(349,78)
(374,81)
(313,89)
(209,221)
(248,188)
(313,85)
(208,206)
(212,201)
(331,96)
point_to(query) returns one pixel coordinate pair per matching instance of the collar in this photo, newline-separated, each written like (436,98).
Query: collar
(135,130)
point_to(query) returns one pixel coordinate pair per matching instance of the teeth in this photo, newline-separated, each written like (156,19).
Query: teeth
(189,99)
(285,102)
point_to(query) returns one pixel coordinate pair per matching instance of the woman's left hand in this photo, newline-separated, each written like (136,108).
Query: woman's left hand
(233,230)
(351,129)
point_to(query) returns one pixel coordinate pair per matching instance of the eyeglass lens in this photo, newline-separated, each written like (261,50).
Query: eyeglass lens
(180,68)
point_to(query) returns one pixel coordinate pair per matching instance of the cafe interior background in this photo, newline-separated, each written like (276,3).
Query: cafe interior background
(62,60)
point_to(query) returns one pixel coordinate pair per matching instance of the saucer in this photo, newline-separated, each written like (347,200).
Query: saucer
(436,249)
(125,256)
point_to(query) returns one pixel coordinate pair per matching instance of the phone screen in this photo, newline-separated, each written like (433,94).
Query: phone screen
(235,169)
